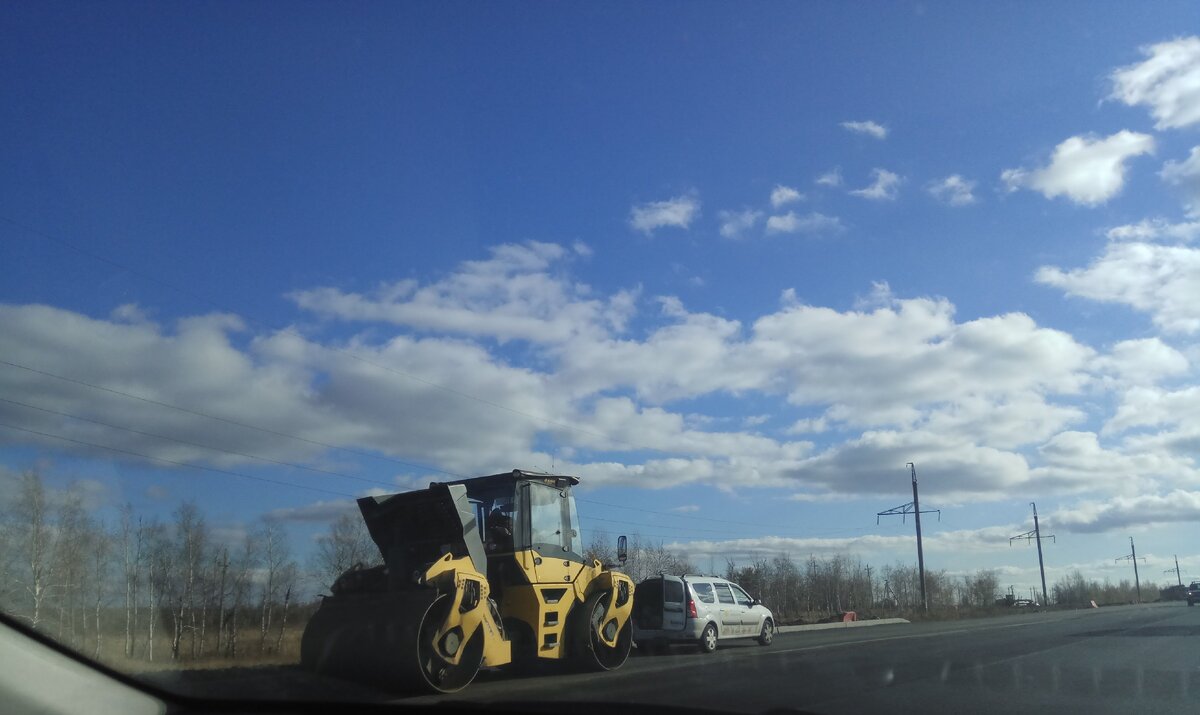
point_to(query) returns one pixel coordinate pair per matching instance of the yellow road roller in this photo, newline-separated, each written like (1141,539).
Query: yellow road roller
(476,573)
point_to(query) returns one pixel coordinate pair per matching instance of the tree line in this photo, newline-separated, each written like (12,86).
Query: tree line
(143,587)
(168,589)
(818,587)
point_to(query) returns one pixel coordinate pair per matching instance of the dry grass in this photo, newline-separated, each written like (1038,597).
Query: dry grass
(112,651)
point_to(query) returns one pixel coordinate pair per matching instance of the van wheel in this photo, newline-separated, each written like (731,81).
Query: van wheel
(708,639)
(768,633)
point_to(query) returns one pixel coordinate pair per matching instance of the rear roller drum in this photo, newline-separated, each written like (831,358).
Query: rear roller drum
(591,652)
(436,671)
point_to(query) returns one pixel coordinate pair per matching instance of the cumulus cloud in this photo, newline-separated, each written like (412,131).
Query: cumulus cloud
(1167,82)
(1078,461)
(678,212)
(811,223)
(1090,517)
(878,546)
(516,294)
(893,380)
(734,224)
(1163,281)
(832,178)
(1142,362)
(1185,176)
(953,190)
(321,512)
(868,127)
(884,186)
(781,195)
(1085,169)
(1155,229)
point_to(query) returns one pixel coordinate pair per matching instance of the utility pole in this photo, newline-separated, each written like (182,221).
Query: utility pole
(914,508)
(1036,535)
(1176,571)
(1132,556)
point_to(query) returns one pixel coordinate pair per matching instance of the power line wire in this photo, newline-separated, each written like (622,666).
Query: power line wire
(175,463)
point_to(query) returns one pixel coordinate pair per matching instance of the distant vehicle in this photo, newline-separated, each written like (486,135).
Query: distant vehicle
(1193,593)
(697,609)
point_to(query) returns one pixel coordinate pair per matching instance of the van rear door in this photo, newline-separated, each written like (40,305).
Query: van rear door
(648,605)
(674,604)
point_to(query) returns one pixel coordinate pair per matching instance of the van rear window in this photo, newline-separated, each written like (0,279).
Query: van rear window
(673,591)
(704,591)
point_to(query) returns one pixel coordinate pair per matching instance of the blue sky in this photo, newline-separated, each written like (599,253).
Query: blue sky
(727,262)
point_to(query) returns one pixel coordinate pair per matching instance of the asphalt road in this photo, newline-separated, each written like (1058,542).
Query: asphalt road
(1128,659)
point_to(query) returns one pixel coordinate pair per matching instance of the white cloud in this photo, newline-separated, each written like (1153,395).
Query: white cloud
(1142,362)
(1185,176)
(677,212)
(1122,512)
(318,512)
(812,223)
(1168,82)
(686,509)
(1077,461)
(953,190)
(1154,230)
(832,178)
(809,425)
(1148,406)
(735,223)
(1087,170)
(517,294)
(891,381)
(870,128)
(781,195)
(876,546)
(1163,281)
(885,186)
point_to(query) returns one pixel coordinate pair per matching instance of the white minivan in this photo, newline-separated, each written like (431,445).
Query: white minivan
(700,610)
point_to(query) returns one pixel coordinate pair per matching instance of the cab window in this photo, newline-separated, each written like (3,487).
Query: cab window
(545,515)
(742,597)
(724,594)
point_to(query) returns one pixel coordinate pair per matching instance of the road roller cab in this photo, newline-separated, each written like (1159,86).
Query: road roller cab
(477,573)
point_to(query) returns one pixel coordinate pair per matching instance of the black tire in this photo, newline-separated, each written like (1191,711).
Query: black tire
(708,639)
(588,650)
(436,672)
(767,635)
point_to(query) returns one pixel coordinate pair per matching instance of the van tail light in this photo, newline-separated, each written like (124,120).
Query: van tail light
(691,608)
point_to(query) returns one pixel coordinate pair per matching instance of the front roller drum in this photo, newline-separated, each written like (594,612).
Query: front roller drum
(590,650)
(387,640)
